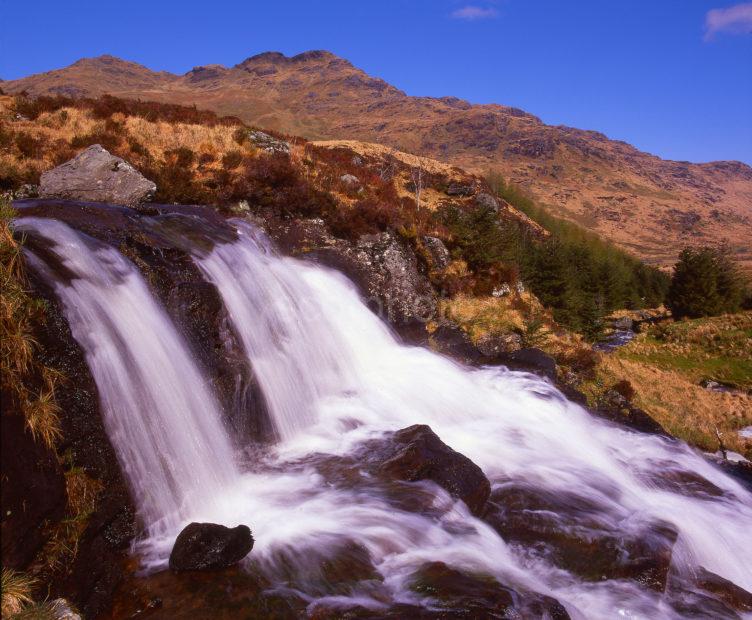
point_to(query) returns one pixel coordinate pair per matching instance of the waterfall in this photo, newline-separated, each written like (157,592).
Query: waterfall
(333,377)
(158,411)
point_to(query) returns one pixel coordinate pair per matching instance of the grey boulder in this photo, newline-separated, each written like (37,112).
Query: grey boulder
(98,176)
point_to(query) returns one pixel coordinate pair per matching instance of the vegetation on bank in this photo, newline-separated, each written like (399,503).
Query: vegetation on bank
(28,389)
(28,386)
(577,274)
(668,367)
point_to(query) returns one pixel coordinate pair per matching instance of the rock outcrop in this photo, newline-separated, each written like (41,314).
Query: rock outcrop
(205,546)
(97,176)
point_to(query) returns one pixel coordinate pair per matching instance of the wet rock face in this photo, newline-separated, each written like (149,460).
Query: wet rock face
(96,175)
(33,490)
(205,546)
(98,565)
(417,453)
(574,533)
(159,244)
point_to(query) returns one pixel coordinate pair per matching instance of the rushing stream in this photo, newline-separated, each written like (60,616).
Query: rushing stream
(334,376)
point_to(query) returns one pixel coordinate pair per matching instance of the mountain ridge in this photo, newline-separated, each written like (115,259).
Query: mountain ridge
(649,206)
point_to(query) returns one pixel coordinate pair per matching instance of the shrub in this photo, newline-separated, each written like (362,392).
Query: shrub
(29,146)
(232,159)
(181,156)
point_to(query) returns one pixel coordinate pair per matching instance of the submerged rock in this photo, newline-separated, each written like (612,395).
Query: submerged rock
(575,533)
(417,453)
(98,176)
(203,546)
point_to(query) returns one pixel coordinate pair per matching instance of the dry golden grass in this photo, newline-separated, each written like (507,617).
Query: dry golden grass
(682,407)
(379,151)
(161,137)
(482,316)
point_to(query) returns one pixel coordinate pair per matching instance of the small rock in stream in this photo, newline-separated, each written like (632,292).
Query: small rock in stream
(204,546)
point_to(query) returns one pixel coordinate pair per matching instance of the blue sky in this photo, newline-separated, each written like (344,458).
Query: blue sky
(673,77)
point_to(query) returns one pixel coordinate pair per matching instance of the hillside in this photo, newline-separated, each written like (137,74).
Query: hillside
(647,205)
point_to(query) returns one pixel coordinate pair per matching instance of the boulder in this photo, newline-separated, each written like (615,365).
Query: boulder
(486,201)
(493,345)
(97,176)
(456,189)
(440,257)
(203,546)
(268,143)
(416,453)
(394,283)
(350,180)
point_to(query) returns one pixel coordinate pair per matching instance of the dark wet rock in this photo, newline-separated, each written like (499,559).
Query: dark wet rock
(740,470)
(450,340)
(454,589)
(416,453)
(486,201)
(223,594)
(731,594)
(615,407)
(682,482)
(461,595)
(96,175)
(531,359)
(340,568)
(578,535)
(33,489)
(438,252)
(205,546)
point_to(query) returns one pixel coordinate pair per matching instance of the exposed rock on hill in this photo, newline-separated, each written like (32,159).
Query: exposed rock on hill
(647,205)
(96,175)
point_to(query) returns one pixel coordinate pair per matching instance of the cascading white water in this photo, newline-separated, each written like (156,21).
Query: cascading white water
(158,410)
(335,376)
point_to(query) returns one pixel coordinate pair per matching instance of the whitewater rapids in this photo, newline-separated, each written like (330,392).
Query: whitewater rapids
(333,375)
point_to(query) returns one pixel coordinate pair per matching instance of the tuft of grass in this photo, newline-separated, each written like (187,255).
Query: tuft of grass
(17,590)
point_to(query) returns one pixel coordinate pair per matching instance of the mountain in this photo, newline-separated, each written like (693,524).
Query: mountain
(649,206)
